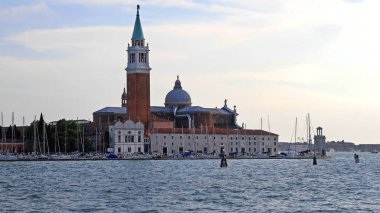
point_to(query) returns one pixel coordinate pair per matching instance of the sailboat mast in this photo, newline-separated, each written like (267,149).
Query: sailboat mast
(295,136)
(65,137)
(34,136)
(83,139)
(3,137)
(56,142)
(13,131)
(46,139)
(55,138)
(309,128)
(59,146)
(23,133)
(96,139)
(2,129)
(43,137)
(77,134)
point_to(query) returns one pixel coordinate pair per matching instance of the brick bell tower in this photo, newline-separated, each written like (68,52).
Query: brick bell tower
(138,77)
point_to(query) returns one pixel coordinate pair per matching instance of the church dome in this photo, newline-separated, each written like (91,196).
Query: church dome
(177,97)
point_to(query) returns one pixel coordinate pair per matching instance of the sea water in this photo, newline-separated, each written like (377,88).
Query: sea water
(337,184)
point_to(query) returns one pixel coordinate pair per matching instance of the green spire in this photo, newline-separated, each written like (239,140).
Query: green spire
(137,31)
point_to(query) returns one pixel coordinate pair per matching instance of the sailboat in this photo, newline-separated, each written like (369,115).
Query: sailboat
(289,153)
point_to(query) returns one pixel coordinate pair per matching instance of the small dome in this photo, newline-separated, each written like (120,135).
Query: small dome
(177,97)
(129,124)
(139,125)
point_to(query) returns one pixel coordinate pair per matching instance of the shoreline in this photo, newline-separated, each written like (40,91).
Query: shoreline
(161,159)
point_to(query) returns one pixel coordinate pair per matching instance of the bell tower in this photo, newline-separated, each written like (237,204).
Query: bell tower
(138,76)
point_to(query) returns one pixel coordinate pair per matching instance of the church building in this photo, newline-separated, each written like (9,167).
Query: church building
(178,126)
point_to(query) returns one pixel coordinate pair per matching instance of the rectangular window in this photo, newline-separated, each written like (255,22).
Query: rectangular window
(133,58)
(129,138)
(139,149)
(139,138)
(143,58)
(129,149)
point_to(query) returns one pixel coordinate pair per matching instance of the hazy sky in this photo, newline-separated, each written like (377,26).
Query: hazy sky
(270,58)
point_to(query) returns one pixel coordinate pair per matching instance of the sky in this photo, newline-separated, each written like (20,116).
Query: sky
(275,60)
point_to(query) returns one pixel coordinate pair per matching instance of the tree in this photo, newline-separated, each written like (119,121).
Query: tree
(67,135)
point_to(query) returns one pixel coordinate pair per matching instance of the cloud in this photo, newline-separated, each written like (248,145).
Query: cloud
(9,13)
(282,58)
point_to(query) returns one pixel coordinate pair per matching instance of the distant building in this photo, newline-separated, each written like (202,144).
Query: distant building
(177,126)
(319,141)
(104,117)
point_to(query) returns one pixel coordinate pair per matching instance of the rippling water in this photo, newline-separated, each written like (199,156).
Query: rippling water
(334,185)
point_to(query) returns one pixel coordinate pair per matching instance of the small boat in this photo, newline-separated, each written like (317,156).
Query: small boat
(375,151)
(111,156)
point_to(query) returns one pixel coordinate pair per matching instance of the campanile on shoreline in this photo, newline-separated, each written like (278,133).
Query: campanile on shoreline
(138,76)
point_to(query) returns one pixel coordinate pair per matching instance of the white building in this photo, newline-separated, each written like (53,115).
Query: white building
(127,137)
(170,143)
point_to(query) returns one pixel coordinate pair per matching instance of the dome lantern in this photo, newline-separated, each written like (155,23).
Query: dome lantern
(177,97)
